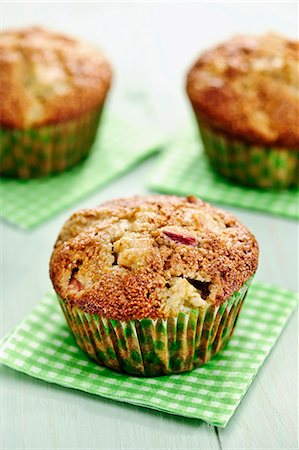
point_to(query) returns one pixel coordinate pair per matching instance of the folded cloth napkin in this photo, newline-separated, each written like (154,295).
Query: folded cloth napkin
(42,346)
(119,146)
(183,170)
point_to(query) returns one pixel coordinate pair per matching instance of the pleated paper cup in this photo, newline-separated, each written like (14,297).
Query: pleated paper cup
(156,347)
(252,165)
(49,149)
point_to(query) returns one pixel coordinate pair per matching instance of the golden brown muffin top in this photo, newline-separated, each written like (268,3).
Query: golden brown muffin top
(46,77)
(248,87)
(151,256)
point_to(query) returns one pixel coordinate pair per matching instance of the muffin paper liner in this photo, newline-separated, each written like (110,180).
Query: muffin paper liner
(153,347)
(251,165)
(47,149)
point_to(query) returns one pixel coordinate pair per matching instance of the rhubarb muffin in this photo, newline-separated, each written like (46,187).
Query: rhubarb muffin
(245,96)
(152,285)
(52,91)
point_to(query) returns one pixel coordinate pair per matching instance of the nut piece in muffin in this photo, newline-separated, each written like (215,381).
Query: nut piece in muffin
(245,95)
(52,91)
(152,285)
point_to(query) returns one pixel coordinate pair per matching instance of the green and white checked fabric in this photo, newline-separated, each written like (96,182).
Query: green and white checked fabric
(183,170)
(120,146)
(42,346)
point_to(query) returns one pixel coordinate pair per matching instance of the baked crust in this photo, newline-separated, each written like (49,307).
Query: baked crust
(137,257)
(248,88)
(46,78)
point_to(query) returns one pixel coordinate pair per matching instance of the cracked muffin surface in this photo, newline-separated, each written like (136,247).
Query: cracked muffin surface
(47,77)
(248,88)
(151,256)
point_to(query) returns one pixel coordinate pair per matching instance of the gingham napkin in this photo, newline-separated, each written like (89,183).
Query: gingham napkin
(120,145)
(42,346)
(183,170)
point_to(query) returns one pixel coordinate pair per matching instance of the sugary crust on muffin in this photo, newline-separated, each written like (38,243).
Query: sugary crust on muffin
(47,78)
(151,256)
(248,88)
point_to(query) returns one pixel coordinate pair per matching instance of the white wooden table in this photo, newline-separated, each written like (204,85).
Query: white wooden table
(151,45)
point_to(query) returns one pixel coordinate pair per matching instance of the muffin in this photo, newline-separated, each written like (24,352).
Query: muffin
(52,91)
(245,96)
(152,285)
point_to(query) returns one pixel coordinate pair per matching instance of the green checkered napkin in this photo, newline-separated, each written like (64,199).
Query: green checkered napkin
(184,170)
(42,346)
(119,146)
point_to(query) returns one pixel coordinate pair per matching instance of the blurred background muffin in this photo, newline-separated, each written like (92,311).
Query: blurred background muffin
(153,285)
(245,95)
(52,91)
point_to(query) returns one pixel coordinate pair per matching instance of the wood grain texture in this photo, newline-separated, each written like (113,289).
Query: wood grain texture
(151,46)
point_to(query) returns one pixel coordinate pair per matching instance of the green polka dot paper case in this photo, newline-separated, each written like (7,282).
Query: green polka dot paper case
(43,347)
(47,149)
(183,169)
(252,165)
(149,347)
(119,146)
